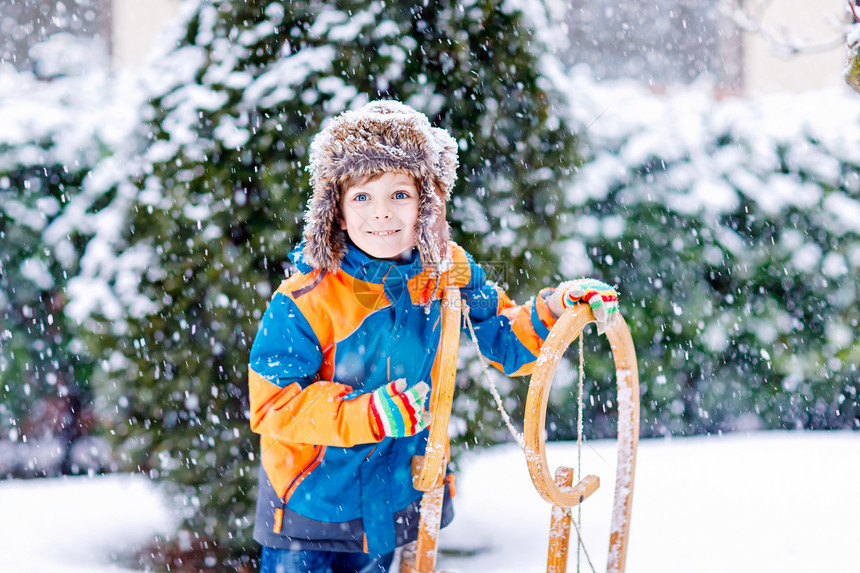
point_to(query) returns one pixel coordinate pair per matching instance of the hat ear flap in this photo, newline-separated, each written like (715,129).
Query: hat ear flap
(432,232)
(446,169)
(325,241)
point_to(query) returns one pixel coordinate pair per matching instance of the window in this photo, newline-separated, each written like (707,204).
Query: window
(660,43)
(65,29)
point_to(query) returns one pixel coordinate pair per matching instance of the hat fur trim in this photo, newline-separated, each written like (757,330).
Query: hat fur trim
(383,136)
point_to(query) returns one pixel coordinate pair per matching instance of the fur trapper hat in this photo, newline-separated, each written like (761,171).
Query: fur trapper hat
(382,136)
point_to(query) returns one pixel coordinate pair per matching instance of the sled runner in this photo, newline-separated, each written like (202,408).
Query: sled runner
(429,470)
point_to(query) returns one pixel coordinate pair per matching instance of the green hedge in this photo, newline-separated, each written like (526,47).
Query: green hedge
(732,229)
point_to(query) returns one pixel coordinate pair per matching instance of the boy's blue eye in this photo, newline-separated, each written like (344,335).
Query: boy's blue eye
(360,197)
(401,195)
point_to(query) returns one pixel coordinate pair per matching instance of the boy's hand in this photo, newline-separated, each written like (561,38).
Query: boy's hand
(399,412)
(602,298)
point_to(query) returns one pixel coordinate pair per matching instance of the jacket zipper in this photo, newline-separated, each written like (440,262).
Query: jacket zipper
(279,511)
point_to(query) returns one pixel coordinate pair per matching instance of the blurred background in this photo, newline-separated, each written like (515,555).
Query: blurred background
(702,156)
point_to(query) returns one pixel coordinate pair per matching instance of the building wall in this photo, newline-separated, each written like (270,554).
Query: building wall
(136,27)
(807,22)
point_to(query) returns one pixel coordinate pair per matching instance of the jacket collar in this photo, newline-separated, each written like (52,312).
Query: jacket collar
(363,267)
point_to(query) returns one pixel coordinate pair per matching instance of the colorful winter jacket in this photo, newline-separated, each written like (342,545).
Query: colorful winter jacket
(327,340)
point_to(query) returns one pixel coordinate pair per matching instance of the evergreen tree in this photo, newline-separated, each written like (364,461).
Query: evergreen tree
(222,189)
(45,369)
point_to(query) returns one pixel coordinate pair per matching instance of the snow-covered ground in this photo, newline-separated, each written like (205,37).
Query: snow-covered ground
(785,502)
(76,525)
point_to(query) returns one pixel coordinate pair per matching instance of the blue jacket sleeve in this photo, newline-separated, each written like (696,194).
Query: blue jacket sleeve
(509,335)
(286,349)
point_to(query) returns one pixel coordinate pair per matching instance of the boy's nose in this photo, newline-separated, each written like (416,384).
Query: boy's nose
(382,212)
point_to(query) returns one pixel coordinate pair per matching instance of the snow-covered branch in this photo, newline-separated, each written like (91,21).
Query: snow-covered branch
(852,64)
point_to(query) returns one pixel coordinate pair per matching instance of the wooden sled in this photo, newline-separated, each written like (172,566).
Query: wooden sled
(559,490)
(429,470)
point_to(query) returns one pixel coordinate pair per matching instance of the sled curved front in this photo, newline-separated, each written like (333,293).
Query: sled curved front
(563,333)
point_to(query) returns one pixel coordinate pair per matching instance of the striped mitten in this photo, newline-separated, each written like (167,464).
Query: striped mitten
(398,412)
(602,298)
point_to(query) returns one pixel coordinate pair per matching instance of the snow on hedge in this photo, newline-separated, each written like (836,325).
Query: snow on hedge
(732,227)
(778,150)
(70,124)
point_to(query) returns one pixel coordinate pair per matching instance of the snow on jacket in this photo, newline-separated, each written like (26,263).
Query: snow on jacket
(326,341)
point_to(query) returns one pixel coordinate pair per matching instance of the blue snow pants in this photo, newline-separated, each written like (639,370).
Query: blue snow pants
(311,561)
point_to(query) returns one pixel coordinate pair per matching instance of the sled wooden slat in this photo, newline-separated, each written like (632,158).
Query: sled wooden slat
(428,471)
(562,334)
(428,530)
(559,528)
(418,467)
(442,394)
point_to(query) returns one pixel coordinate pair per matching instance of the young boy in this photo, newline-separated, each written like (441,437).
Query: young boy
(346,353)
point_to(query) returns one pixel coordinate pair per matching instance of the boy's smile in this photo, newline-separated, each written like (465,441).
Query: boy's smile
(379,215)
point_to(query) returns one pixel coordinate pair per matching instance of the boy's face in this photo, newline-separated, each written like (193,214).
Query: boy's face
(379,215)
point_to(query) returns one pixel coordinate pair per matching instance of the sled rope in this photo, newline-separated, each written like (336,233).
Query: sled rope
(584,550)
(518,437)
